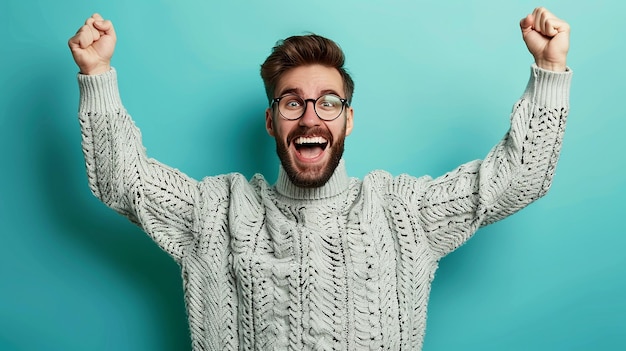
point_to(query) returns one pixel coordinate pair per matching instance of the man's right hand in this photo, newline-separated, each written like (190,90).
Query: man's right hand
(93,45)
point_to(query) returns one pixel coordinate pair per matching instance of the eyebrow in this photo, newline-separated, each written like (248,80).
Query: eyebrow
(298,91)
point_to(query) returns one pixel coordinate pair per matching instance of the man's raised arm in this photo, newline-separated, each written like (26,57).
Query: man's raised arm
(519,169)
(158,198)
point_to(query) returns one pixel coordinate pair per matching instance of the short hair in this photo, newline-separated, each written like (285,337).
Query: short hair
(303,50)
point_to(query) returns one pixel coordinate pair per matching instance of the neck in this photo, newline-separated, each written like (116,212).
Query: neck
(337,184)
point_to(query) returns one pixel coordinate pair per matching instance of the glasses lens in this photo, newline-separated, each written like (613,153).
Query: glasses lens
(328,107)
(291,106)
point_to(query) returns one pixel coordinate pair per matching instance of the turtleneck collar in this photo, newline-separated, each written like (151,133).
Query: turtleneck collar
(337,184)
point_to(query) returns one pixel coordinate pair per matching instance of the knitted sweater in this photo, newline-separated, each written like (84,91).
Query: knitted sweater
(347,266)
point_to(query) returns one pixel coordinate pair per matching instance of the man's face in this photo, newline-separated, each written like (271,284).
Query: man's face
(309,148)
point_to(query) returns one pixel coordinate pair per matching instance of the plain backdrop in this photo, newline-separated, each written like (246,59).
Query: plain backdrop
(435,84)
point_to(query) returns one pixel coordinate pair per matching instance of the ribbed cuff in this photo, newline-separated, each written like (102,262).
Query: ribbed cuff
(99,93)
(548,88)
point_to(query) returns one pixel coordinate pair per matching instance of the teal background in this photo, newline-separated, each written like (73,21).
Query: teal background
(435,83)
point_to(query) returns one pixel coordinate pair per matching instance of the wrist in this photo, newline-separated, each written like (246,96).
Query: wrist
(551,66)
(96,70)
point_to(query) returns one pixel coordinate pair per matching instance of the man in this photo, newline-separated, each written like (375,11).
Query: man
(318,260)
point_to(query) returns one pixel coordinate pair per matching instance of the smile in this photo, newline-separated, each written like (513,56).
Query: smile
(310,148)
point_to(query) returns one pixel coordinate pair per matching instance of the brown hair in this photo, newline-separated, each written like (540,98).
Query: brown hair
(302,50)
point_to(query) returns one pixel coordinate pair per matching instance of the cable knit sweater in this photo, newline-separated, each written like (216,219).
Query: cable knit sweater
(347,266)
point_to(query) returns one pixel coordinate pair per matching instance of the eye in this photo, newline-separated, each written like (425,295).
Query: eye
(329,102)
(291,102)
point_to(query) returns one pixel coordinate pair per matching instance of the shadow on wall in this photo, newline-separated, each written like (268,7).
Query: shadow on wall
(258,149)
(242,144)
(65,194)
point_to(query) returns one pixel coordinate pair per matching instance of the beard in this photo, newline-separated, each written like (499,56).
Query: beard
(314,176)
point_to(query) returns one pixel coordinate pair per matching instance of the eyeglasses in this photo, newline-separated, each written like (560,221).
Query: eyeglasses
(327,107)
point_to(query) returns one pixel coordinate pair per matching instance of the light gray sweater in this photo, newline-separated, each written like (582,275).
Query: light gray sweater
(347,266)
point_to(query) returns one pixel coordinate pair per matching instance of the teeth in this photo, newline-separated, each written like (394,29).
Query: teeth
(311,140)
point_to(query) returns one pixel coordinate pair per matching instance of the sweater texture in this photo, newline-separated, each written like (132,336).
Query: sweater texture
(347,266)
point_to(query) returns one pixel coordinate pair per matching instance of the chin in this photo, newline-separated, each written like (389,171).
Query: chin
(314,175)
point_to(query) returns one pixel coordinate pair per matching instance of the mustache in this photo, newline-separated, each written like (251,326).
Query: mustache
(309,132)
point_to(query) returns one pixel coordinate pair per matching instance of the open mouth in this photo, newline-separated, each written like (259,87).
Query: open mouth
(310,147)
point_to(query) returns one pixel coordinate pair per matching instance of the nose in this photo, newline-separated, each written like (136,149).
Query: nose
(309,118)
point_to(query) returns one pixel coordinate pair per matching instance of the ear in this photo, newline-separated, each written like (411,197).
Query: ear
(349,120)
(269,121)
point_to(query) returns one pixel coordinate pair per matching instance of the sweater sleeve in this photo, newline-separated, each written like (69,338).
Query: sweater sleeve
(156,197)
(516,172)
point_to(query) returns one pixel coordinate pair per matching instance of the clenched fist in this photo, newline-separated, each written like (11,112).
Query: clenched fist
(547,39)
(93,45)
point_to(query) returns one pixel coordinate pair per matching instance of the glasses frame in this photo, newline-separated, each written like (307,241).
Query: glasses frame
(344,103)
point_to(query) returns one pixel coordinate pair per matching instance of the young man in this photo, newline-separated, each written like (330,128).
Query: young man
(318,260)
